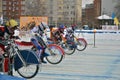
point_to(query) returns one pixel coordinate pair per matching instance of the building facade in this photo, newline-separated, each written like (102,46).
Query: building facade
(99,7)
(12,9)
(0,7)
(54,11)
(108,9)
(1,20)
(58,11)
(35,8)
(65,12)
(88,16)
(97,12)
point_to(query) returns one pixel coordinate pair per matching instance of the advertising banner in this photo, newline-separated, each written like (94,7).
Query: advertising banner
(109,27)
(26,20)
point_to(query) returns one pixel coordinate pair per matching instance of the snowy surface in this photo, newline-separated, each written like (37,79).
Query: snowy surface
(101,62)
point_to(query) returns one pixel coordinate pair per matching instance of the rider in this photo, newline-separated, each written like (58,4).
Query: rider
(34,30)
(73,27)
(69,36)
(57,33)
(7,32)
(9,29)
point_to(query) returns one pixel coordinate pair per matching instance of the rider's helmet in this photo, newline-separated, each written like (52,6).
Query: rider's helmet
(31,25)
(61,28)
(12,23)
(10,26)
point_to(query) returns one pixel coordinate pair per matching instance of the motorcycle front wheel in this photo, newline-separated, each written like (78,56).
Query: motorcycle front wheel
(28,71)
(31,68)
(81,44)
(67,49)
(57,54)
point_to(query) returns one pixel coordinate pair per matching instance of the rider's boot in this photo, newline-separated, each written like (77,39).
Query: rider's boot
(42,59)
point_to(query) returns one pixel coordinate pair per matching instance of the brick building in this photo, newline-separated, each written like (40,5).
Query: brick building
(90,14)
(12,9)
(97,11)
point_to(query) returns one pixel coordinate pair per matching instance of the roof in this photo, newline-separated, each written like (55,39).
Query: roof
(104,17)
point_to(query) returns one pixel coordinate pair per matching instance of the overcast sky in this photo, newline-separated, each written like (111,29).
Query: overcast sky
(86,2)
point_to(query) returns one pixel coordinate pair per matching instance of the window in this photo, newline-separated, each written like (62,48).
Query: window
(4,2)
(4,12)
(72,7)
(17,8)
(59,18)
(9,8)
(60,7)
(67,7)
(22,8)
(10,3)
(4,8)
(51,12)
(23,2)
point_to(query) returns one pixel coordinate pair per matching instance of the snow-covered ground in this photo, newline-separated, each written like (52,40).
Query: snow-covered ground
(101,62)
(90,36)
